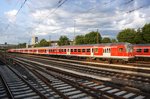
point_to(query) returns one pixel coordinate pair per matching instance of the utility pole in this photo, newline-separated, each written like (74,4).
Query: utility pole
(97,37)
(74,33)
(18,45)
(28,43)
(5,52)
(49,40)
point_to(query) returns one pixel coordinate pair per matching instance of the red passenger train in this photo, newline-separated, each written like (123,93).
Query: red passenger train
(110,51)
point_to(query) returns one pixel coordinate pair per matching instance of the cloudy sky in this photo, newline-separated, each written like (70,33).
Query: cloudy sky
(53,18)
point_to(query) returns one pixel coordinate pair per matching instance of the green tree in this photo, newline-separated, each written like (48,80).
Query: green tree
(63,40)
(139,37)
(113,40)
(126,35)
(146,33)
(106,40)
(79,39)
(21,45)
(42,43)
(93,38)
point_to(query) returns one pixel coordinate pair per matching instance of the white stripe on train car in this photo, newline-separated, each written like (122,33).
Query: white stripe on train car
(142,55)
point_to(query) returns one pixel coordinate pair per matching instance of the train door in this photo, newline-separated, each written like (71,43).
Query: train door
(47,51)
(68,51)
(106,52)
(92,52)
(36,51)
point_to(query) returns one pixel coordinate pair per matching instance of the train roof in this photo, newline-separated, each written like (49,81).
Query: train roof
(141,44)
(102,44)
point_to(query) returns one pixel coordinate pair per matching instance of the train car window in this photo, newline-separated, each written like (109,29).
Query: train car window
(88,50)
(146,50)
(75,50)
(138,50)
(120,49)
(83,50)
(79,50)
(64,50)
(71,50)
(109,50)
(96,50)
(105,50)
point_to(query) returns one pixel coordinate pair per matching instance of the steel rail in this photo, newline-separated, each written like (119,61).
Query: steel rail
(33,88)
(10,95)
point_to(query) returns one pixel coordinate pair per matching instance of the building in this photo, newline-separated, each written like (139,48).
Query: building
(7,46)
(34,40)
(54,43)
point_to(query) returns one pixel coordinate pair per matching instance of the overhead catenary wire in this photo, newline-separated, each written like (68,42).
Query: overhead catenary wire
(109,2)
(138,8)
(21,7)
(59,4)
(60,1)
(16,14)
(128,2)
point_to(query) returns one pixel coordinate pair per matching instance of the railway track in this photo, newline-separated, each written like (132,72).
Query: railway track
(130,66)
(136,79)
(17,86)
(68,84)
(4,90)
(58,87)
(62,67)
(56,83)
(139,64)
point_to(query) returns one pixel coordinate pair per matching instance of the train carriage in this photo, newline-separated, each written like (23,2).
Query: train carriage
(119,51)
(142,51)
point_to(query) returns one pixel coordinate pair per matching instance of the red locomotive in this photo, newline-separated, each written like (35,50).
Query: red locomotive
(110,51)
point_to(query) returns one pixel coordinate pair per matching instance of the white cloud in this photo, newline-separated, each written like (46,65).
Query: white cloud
(11,15)
(107,18)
